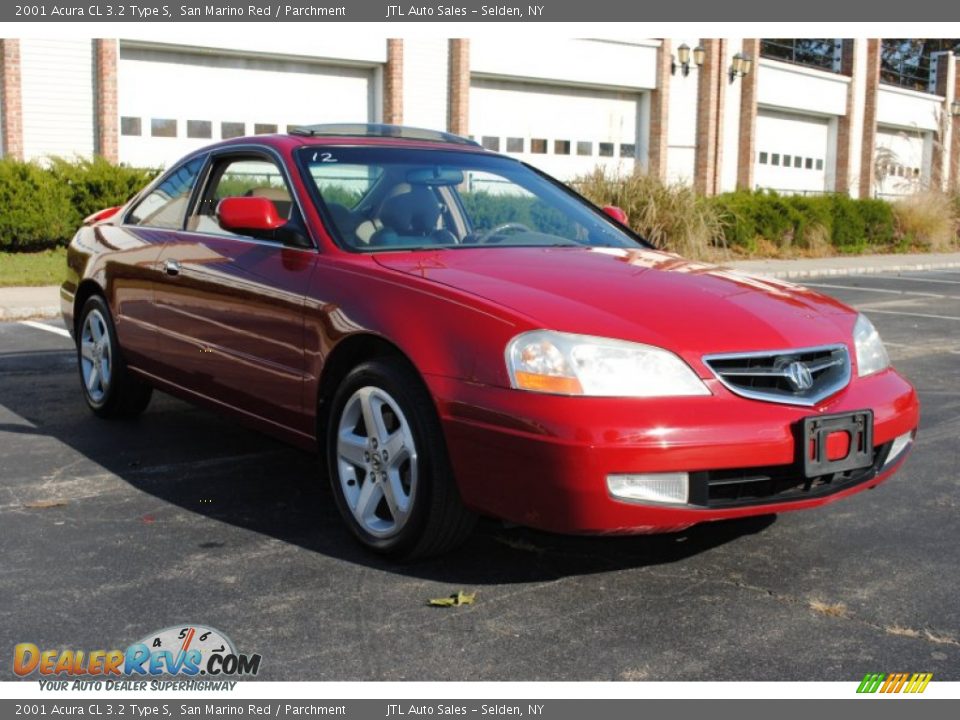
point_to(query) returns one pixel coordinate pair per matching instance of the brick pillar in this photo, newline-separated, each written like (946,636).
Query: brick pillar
(946,81)
(660,113)
(869,146)
(11,99)
(955,142)
(458,116)
(709,110)
(105,57)
(843,180)
(393,83)
(747,155)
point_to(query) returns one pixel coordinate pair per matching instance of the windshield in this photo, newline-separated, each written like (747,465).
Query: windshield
(402,199)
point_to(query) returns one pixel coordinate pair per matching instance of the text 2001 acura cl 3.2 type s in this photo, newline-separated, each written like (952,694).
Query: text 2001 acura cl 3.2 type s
(460,334)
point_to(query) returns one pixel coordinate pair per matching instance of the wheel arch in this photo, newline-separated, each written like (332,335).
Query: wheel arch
(347,354)
(85,290)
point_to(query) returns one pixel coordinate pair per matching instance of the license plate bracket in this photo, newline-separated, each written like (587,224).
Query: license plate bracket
(817,429)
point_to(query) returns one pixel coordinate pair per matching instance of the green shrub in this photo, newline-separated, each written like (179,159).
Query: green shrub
(672,216)
(761,221)
(37,209)
(44,204)
(97,184)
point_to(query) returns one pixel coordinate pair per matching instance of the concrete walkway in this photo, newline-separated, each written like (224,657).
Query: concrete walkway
(22,303)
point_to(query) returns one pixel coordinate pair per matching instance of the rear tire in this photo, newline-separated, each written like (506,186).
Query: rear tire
(109,389)
(393,485)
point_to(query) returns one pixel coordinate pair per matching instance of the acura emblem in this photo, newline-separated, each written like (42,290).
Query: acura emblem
(798,374)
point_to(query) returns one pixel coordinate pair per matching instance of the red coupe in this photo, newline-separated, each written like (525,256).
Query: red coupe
(459,334)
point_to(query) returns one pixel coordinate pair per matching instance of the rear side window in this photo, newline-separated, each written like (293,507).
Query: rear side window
(166,204)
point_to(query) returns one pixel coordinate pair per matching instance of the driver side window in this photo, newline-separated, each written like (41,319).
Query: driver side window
(240,177)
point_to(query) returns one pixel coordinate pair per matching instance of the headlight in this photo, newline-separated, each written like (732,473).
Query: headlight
(871,354)
(567,364)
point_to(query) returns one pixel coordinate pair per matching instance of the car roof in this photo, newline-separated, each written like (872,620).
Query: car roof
(361,134)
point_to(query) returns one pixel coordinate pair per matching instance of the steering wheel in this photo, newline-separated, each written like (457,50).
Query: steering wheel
(500,229)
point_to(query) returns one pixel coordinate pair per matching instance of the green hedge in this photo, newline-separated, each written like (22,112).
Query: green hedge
(43,204)
(805,223)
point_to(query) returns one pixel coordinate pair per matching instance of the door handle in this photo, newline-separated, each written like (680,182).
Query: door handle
(171,267)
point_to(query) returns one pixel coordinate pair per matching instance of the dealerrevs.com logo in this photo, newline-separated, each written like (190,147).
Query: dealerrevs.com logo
(184,650)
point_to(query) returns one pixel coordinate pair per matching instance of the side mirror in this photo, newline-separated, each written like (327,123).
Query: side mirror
(254,215)
(616,213)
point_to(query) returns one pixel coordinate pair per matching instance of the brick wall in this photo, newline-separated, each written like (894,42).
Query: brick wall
(746,156)
(868,148)
(393,83)
(11,99)
(660,113)
(458,120)
(106,124)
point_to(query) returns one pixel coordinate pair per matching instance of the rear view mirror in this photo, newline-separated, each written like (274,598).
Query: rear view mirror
(616,213)
(435,176)
(249,214)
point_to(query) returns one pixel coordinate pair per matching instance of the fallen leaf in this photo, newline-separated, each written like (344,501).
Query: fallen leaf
(455,600)
(43,504)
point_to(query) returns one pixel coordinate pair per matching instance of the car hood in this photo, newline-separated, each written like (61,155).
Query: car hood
(640,295)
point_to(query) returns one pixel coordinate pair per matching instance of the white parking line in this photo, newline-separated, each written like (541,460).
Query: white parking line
(43,326)
(886,291)
(870,311)
(926,280)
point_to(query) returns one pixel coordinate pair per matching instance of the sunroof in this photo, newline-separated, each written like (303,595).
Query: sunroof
(380,130)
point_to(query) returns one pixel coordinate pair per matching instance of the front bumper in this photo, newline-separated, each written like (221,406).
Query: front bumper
(542,460)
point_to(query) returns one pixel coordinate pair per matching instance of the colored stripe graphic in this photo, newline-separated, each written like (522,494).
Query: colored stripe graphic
(894,683)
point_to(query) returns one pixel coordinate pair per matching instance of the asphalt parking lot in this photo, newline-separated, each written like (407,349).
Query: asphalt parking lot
(109,531)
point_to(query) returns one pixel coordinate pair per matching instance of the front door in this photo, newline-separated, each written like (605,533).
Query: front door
(230,307)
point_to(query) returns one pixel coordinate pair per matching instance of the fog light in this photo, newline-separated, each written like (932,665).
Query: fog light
(900,444)
(655,487)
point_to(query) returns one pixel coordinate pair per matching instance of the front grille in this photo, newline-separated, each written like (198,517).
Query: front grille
(796,377)
(778,483)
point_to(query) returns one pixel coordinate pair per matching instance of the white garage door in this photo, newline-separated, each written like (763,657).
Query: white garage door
(565,131)
(172,102)
(901,160)
(792,152)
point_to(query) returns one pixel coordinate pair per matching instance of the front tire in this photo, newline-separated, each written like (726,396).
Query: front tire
(108,388)
(388,464)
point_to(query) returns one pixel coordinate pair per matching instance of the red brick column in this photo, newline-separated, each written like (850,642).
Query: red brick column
(393,83)
(747,155)
(872,80)
(955,141)
(710,91)
(660,113)
(946,79)
(11,99)
(843,180)
(458,120)
(106,56)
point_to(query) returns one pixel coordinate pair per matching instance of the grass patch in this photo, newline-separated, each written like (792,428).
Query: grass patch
(47,267)
(902,631)
(829,609)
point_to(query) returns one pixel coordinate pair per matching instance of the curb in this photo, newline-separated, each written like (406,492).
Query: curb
(826,272)
(28,313)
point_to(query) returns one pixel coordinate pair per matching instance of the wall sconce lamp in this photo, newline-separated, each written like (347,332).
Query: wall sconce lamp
(742,65)
(682,60)
(955,108)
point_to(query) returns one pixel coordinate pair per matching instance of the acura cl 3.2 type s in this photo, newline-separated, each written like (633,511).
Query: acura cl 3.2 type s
(458,334)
